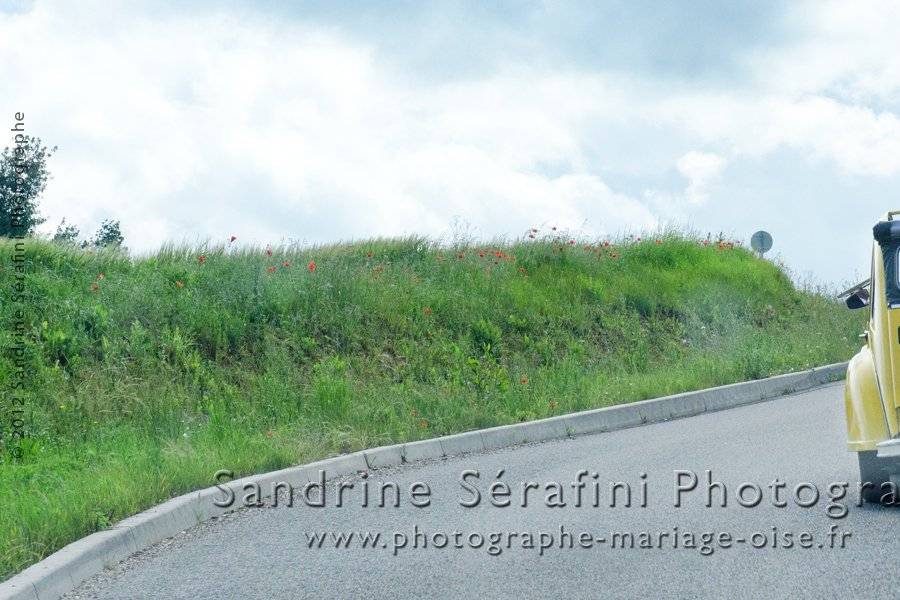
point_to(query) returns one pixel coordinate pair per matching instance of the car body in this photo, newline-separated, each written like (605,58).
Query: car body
(872,387)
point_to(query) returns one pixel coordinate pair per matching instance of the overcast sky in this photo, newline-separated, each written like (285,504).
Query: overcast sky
(328,121)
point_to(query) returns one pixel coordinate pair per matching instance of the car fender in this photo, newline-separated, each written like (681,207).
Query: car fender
(866,421)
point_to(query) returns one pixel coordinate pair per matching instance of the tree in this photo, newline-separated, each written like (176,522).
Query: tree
(23,178)
(108,236)
(66,234)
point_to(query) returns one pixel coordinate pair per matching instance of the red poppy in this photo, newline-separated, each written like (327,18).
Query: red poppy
(268,252)
(481,253)
(232,239)
(369,254)
(658,242)
(271,269)
(461,255)
(639,238)
(95,287)
(311,266)
(523,380)
(423,424)
(286,263)
(553,228)
(202,258)
(269,433)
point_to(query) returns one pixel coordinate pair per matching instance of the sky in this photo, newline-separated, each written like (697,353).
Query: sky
(317,122)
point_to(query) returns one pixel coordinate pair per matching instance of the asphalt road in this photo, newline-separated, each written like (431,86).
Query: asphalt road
(263,553)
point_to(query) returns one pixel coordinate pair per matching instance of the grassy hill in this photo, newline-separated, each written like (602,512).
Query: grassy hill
(145,376)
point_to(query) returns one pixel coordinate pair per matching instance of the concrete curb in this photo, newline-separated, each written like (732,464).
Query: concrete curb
(66,569)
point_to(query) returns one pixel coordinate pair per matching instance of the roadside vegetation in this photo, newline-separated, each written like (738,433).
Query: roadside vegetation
(146,375)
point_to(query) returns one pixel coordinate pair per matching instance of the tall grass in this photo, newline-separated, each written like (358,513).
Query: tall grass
(147,379)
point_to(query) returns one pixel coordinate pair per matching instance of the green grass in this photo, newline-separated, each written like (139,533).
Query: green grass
(173,369)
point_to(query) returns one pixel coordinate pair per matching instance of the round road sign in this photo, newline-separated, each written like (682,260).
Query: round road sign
(761,241)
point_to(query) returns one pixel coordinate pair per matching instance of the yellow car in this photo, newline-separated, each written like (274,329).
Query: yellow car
(872,388)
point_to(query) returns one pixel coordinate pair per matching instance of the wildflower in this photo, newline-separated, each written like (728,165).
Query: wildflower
(414,412)
(531,236)
(427,310)
(614,255)
(269,433)
(658,242)
(553,228)
(533,230)
(272,269)
(461,255)
(95,287)
(286,263)
(523,380)
(179,283)
(423,423)
(201,259)
(268,252)
(481,253)
(553,404)
(311,266)
(606,244)
(639,238)
(232,239)
(100,277)
(523,271)
(369,254)
(571,242)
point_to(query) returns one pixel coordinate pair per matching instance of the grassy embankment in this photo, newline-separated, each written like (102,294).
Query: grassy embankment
(148,378)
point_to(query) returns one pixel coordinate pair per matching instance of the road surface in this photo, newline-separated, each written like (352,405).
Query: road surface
(799,439)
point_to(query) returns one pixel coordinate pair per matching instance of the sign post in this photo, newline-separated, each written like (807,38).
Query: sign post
(761,241)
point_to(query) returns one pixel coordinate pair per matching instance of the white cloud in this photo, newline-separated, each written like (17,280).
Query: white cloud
(701,169)
(850,49)
(219,124)
(270,130)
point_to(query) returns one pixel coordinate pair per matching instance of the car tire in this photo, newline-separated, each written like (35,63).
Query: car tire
(877,471)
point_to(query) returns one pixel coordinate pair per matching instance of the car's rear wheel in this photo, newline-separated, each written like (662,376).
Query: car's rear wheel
(877,471)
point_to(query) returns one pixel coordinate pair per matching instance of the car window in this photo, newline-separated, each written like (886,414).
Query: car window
(897,266)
